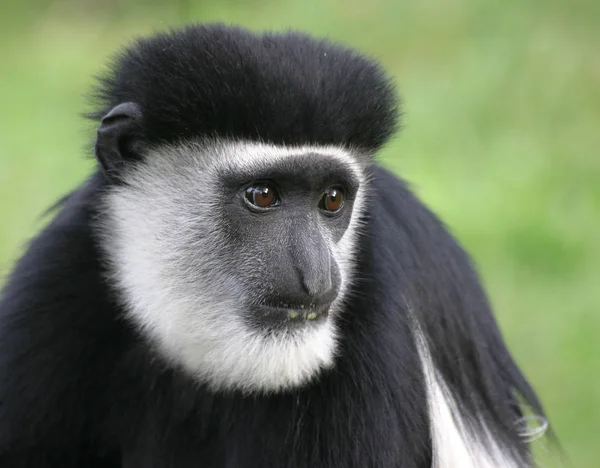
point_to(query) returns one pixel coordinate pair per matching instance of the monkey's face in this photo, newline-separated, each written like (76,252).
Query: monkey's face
(234,258)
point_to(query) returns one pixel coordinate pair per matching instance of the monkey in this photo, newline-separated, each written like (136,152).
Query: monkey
(239,283)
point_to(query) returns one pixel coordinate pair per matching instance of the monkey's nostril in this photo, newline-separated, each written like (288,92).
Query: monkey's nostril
(316,284)
(326,298)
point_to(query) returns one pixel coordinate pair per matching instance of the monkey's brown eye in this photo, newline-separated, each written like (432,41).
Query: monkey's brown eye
(262,196)
(332,200)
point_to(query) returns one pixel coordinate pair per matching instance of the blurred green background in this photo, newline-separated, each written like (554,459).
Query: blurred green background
(501,138)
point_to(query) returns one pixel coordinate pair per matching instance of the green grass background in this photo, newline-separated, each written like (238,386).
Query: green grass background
(501,138)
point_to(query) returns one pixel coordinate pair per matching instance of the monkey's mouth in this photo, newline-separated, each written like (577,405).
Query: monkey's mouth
(290,315)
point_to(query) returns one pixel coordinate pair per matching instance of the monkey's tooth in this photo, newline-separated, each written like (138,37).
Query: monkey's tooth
(312,316)
(293,315)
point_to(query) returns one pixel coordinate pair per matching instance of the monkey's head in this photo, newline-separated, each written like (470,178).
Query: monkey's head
(238,172)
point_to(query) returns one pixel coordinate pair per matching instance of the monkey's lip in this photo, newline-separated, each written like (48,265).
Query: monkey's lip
(292,315)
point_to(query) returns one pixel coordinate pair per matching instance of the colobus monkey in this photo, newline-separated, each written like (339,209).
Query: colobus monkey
(238,285)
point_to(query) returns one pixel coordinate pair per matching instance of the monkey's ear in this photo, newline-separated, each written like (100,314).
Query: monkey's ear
(119,138)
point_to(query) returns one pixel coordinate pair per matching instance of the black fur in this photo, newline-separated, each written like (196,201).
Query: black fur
(80,388)
(228,82)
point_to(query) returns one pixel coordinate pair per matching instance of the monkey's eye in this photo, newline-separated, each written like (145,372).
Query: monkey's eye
(262,196)
(333,200)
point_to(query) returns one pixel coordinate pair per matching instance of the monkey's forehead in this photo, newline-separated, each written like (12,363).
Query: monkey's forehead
(227,82)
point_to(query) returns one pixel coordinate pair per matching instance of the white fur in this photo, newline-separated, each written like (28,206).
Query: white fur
(454,443)
(166,252)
